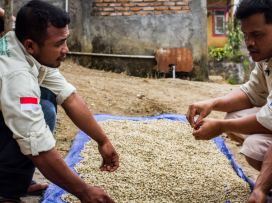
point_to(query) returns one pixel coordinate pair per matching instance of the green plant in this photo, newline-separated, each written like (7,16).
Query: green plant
(232,48)
(234,35)
(232,81)
(198,79)
(246,64)
(220,54)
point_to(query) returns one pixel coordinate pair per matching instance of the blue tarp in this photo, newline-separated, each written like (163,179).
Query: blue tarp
(53,192)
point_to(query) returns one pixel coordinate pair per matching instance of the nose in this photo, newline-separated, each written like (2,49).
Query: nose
(249,41)
(64,49)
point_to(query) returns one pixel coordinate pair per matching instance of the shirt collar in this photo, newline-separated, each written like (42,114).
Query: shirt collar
(30,56)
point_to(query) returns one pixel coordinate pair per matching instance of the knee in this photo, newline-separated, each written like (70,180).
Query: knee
(49,96)
(50,115)
(254,163)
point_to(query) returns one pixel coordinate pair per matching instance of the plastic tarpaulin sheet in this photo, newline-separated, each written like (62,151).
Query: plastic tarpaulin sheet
(53,192)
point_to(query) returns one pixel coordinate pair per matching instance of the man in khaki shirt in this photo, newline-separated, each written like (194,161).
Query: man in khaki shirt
(31,86)
(249,126)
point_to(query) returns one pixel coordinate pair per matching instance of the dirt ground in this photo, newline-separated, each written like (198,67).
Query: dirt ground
(116,94)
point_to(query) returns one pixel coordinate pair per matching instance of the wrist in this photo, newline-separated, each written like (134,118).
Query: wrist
(260,189)
(214,103)
(84,192)
(260,186)
(223,126)
(103,141)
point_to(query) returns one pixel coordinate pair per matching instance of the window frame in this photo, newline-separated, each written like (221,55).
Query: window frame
(214,21)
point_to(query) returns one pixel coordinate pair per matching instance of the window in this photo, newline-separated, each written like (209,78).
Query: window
(219,22)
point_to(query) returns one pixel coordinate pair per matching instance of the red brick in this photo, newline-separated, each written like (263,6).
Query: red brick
(142,13)
(169,4)
(149,9)
(182,3)
(135,9)
(101,5)
(97,1)
(161,8)
(115,5)
(123,0)
(155,4)
(149,0)
(109,1)
(156,12)
(175,8)
(160,0)
(121,9)
(128,5)
(180,12)
(108,9)
(102,14)
(95,9)
(116,14)
(185,8)
(168,12)
(136,0)
(128,13)
(142,4)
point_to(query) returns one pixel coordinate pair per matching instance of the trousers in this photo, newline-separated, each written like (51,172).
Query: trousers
(16,169)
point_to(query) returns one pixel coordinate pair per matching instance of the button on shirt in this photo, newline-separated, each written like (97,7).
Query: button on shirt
(20,78)
(259,91)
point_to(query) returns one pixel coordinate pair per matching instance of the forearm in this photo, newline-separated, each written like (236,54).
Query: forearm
(80,114)
(2,13)
(247,125)
(264,180)
(234,101)
(53,167)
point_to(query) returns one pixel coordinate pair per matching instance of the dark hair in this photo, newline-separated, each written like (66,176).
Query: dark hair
(247,8)
(34,18)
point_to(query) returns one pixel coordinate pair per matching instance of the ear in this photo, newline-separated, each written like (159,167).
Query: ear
(30,46)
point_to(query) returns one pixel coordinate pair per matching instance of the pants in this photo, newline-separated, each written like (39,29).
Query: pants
(16,169)
(255,146)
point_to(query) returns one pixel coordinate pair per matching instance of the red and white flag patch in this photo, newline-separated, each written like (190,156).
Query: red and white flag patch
(29,103)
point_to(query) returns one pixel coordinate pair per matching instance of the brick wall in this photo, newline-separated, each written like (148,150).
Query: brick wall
(139,7)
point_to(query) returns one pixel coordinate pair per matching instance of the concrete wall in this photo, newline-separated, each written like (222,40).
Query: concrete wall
(227,70)
(138,35)
(135,35)
(17,4)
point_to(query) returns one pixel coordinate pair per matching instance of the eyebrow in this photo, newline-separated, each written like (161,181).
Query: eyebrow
(62,40)
(253,32)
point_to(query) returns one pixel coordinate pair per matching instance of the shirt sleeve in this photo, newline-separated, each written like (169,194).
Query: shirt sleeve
(57,84)
(256,87)
(20,98)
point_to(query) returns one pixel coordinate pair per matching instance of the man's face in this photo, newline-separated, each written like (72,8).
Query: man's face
(258,37)
(54,50)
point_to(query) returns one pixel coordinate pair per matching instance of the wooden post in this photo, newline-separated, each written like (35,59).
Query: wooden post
(8,23)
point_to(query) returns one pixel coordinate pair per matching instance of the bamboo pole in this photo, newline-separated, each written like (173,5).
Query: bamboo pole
(8,22)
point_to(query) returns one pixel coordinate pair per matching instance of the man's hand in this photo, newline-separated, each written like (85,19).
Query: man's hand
(96,195)
(207,129)
(202,109)
(110,157)
(257,196)
(80,114)
(53,167)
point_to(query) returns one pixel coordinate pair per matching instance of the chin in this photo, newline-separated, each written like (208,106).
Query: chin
(257,59)
(56,65)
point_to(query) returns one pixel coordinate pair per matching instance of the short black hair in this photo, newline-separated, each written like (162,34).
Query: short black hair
(247,8)
(33,19)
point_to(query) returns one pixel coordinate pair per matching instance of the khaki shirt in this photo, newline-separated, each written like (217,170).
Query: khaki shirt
(20,78)
(259,91)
